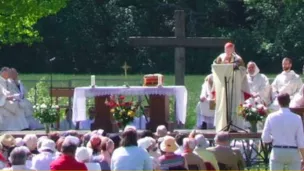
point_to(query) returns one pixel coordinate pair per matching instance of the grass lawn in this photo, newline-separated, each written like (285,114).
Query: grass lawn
(193,84)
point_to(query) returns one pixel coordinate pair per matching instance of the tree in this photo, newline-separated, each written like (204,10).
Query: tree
(18,17)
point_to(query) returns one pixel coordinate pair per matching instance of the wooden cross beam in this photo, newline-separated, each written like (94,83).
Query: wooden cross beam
(180,41)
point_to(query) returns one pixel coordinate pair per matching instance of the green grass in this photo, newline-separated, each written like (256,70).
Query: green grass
(193,84)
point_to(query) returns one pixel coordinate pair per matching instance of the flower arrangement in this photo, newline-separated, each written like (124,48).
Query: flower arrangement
(123,111)
(253,114)
(46,114)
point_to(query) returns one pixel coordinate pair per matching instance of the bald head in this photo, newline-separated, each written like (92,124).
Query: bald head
(222,138)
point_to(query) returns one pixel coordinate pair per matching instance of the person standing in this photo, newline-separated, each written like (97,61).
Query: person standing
(286,82)
(236,85)
(284,129)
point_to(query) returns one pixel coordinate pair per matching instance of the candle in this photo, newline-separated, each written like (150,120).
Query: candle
(92,80)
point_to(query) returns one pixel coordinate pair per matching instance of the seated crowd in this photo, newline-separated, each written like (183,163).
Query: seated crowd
(129,151)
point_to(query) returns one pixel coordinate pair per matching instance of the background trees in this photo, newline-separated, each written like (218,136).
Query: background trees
(91,36)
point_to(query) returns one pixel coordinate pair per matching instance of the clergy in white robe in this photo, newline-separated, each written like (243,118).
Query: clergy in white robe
(12,116)
(17,87)
(258,83)
(237,89)
(287,82)
(205,107)
(298,100)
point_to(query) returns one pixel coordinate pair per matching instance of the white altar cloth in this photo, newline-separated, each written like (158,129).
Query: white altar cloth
(81,93)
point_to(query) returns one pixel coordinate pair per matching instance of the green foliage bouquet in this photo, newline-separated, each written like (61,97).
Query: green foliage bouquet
(46,114)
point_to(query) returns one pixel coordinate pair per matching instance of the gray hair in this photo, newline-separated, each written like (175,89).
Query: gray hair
(4,69)
(19,155)
(222,137)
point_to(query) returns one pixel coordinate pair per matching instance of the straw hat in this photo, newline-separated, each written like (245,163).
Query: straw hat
(7,140)
(146,142)
(168,144)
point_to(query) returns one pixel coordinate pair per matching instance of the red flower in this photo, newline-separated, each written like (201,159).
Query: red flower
(119,124)
(128,104)
(121,97)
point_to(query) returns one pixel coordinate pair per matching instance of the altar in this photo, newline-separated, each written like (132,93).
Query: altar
(158,110)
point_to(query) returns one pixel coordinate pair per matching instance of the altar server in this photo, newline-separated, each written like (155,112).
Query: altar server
(205,107)
(287,82)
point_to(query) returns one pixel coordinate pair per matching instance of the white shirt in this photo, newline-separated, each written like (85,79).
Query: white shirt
(42,161)
(86,124)
(284,128)
(131,158)
(93,166)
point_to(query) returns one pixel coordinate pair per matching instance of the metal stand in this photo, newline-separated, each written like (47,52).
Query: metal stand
(229,127)
(51,86)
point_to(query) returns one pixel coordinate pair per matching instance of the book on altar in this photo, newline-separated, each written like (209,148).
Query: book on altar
(153,80)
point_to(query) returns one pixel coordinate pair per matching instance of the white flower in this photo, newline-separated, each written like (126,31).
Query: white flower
(43,106)
(254,109)
(34,107)
(260,106)
(55,106)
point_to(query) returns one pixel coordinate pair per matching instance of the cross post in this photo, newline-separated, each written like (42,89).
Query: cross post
(179,42)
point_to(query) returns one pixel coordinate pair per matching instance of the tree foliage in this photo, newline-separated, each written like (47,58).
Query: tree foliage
(91,36)
(17,18)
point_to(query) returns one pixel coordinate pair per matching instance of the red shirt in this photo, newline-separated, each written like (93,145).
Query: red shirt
(65,162)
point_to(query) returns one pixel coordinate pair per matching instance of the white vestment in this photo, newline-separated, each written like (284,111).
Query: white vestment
(140,122)
(237,90)
(259,85)
(298,100)
(286,82)
(25,104)
(12,116)
(203,111)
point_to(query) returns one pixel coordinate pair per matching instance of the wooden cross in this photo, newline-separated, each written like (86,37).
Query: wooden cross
(180,41)
(125,67)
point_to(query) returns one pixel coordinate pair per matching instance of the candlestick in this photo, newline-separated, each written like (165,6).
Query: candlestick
(93,80)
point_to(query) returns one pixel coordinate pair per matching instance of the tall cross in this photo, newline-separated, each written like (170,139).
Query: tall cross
(180,41)
(125,67)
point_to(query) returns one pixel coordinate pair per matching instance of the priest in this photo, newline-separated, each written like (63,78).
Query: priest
(17,87)
(287,82)
(12,116)
(237,89)
(258,84)
(205,107)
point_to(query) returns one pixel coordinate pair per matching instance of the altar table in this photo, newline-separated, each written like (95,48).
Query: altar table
(103,118)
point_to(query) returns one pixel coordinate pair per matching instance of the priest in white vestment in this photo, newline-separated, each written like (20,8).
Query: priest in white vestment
(205,107)
(287,82)
(12,115)
(17,87)
(258,83)
(237,92)
(298,100)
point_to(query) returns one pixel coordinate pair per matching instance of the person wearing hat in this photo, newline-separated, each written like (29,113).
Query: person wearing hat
(170,160)
(237,94)
(84,155)
(8,143)
(47,154)
(161,131)
(148,143)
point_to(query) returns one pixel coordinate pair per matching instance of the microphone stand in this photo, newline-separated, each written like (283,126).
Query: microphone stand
(51,77)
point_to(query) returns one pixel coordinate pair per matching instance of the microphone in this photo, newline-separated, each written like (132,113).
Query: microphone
(52,59)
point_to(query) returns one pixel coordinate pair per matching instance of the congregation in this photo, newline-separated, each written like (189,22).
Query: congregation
(131,150)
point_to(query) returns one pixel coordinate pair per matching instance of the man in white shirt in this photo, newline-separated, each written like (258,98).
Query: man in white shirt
(284,130)
(86,124)
(258,83)
(287,82)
